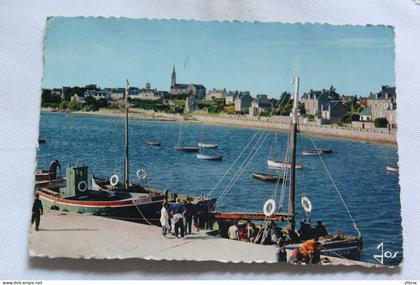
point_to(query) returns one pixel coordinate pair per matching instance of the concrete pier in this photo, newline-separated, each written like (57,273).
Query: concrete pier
(74,235)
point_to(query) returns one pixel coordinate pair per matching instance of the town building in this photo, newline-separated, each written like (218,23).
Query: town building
(57,92)
(243,102)
(77,98)
(313,101)
(366,114)
(177,89)
(191,104)
(230,98)
(263,103)
(98,94)
(383,105)
(146,93)
(232,95)
(216,94)
(348,98)
(117,93)
(333,111)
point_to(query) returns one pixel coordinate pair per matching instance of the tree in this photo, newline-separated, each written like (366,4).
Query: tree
(48,98)
(348,118)
(285,105)
(381,123)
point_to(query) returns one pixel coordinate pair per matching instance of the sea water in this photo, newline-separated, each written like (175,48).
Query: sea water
(370,193)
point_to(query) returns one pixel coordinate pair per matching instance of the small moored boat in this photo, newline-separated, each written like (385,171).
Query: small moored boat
(207,145)
(153,143)
(204,156)
(41,141)
(311,153)
(324,150)
(187,148)
(282,164)
(392,168)
(267,177)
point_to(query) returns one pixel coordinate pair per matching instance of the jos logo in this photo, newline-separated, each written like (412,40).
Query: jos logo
(384,255)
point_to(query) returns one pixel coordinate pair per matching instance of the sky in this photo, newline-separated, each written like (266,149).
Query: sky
(258,57)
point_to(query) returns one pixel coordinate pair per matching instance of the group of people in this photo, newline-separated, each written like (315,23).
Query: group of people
(179,218)
(271,234)
(306,232)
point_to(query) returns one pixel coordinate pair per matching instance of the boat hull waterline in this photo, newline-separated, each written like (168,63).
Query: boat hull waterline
(282,164)
(203,156)
(267,177)
(187,148)
(207,145)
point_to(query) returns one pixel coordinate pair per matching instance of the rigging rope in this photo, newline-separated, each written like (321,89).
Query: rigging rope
(337,190)
(244,165)
(236,160)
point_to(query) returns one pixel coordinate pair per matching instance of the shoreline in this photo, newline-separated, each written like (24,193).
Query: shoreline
(348,134)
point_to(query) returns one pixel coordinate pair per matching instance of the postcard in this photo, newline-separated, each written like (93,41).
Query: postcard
(218,141)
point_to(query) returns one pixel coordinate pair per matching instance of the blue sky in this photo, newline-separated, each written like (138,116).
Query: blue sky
(259,57)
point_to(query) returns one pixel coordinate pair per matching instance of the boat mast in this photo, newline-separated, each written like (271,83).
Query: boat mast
(291,206)
(126,180)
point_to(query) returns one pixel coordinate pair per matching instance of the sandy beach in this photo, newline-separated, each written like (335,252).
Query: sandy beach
(365,135)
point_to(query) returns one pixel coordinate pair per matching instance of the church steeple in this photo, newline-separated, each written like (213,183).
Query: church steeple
(173,82)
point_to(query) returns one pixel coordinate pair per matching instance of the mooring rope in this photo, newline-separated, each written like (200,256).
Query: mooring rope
(337,190)
(147,221)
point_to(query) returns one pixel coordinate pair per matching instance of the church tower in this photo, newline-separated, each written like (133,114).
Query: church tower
(173,82)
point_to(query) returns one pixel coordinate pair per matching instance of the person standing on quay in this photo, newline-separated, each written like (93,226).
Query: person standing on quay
(37,211)
(164,219)
(188,216)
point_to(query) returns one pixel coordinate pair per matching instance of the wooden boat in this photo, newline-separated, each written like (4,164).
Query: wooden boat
(153,143)
(311,153)
(109,197)
(339,246)
(392,169)
(267,177)
(179,147)
(282,164)
(207,145)
(207,156)
(204,156)
(187,148)
(323,150)
(349,248)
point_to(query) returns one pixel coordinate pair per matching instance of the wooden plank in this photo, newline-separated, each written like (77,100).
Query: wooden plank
(250,216)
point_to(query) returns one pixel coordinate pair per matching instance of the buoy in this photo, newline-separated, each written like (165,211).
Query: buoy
(141,174)
(269,207)
(114,180)
(306,204)
(82,186)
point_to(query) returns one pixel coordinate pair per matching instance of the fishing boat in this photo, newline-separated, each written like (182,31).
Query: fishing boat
(267,177)
(282,164)
(323,150)
(179,147)
(153,143)
(338,245)
(390,168)
(207,145)
(204,156)
(110,197)
(187,148)
(207,156)
(311,153)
